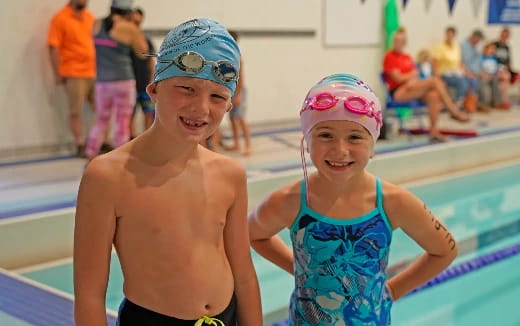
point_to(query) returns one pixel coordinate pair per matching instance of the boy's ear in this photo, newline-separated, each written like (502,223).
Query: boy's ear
(151,89)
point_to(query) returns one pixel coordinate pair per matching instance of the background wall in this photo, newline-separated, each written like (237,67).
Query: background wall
(278,68)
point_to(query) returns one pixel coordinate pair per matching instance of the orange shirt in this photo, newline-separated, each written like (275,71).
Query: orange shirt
(72,37)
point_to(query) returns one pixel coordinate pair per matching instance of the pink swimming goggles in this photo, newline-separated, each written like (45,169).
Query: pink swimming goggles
(355,104)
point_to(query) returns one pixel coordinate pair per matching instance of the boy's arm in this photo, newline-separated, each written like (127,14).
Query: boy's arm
(93,234)
(236,243)
(421,225)
(264,224)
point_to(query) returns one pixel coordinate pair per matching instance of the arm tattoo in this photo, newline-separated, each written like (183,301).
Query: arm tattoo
(438,226)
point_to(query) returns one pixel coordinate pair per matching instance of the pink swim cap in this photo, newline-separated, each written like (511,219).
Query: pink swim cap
(341,97)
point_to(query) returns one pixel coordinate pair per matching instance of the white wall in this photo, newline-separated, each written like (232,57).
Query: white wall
(278,70)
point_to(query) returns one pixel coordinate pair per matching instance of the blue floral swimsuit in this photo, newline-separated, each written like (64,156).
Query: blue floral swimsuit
(339,267)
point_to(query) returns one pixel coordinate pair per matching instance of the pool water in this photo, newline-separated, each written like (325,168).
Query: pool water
(481,210)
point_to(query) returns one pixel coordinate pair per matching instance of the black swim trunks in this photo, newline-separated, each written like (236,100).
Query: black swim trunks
(131,314)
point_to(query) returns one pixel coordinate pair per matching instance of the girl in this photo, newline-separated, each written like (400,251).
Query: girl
(424,64)
(341,218)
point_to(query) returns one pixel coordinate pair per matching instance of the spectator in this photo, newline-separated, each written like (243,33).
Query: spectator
(73,58)
(471,63)
(424,64)
(237,114)
(404,84)
(115,37)
(503,55)
(143,70)
(448,65)
(494,79)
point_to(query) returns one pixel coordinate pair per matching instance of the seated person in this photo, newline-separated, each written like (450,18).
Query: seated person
(424,64)
(503,53)
(494,80)
(471,64)
(447,59)
(404,84)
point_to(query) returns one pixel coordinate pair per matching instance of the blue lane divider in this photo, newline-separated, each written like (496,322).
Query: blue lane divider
(39,209)
(458,270)
(35,305)
(37,160)
(470,266)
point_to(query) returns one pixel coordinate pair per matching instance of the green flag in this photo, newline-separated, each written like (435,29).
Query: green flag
(391,21)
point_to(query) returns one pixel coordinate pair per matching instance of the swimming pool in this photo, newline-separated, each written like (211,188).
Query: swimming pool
(483,212)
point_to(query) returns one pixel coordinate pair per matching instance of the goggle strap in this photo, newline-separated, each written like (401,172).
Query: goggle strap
(305,176)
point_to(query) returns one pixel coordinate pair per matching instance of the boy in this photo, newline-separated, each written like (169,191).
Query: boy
(175,212)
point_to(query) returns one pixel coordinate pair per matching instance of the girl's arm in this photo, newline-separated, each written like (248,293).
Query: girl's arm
(421,225)
(94,231)
(236,244)
(270,217)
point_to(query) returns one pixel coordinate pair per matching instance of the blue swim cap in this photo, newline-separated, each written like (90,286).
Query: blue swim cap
(204,36)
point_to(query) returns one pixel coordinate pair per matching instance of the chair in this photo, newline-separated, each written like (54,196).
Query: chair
(405,110)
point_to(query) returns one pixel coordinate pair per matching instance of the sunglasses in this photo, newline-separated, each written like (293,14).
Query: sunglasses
(192,63)
(355,104)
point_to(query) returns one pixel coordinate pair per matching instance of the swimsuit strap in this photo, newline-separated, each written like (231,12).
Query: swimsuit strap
(303,194)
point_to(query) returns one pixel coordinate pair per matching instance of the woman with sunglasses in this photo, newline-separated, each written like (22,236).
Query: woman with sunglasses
(174,211)
(341,217)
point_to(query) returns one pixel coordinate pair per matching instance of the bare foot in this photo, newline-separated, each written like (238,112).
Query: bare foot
(460,116)
(247,152)
(438,137)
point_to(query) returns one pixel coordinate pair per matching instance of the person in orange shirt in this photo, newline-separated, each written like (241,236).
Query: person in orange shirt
(73,57)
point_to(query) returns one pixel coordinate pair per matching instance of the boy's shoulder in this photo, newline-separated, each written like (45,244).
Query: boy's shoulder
(107,167)
(224,164)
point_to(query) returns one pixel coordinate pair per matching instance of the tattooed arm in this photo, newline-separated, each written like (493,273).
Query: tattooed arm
(415,219)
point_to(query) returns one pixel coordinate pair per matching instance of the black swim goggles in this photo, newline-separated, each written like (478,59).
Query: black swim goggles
(192,62)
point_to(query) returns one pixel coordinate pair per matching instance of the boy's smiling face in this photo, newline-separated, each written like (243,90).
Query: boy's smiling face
(191,108)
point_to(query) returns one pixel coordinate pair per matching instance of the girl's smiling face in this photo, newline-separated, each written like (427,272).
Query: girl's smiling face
(340,149)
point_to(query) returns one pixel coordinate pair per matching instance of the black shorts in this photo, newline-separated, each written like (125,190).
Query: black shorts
(131,314)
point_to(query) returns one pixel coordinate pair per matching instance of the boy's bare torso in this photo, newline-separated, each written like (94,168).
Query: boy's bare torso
(169,234)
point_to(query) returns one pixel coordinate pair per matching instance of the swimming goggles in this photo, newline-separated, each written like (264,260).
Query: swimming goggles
(192,63)
(355,104)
